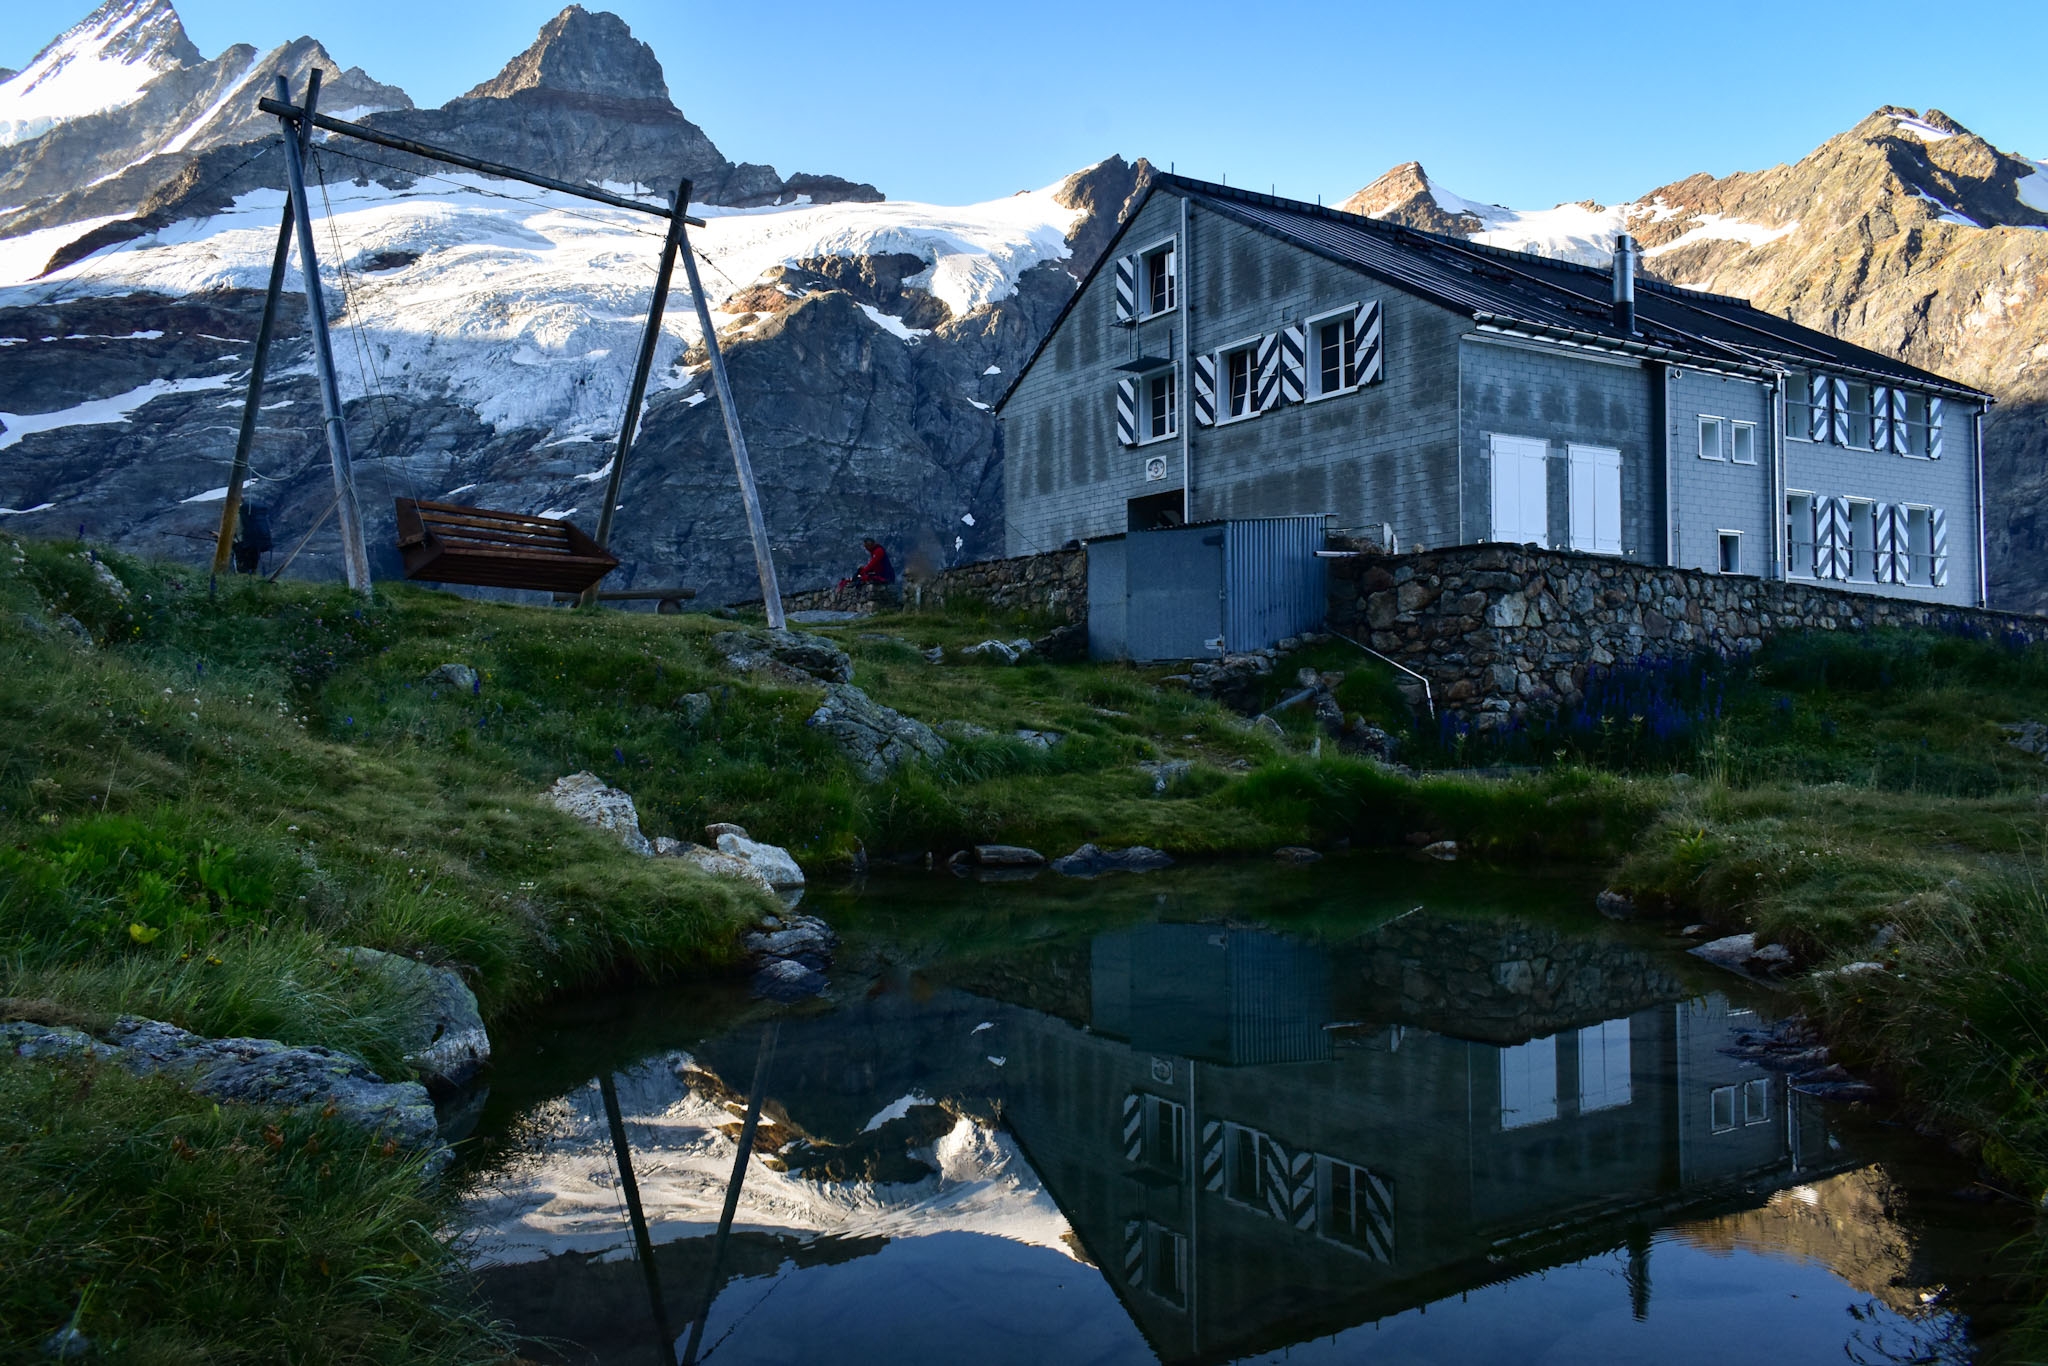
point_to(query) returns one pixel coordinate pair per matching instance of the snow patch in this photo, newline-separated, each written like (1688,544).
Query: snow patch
(896,1109)
(86,71)
(894,325)
(220,494)
(22,258)
(2033,190)
(1920,128)
(595,475)
(198,125)
(557,514)
(1570,232)
(1714,227)
(23,512)
(993,370)
(98,411)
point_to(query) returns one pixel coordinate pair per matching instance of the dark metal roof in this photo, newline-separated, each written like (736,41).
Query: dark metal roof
(1516,291)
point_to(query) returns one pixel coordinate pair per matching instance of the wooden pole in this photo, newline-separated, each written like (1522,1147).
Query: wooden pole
(764,558)
(643,1246)
(770,1032)
(285,109)
(637,394)
(355,555)
(231,508)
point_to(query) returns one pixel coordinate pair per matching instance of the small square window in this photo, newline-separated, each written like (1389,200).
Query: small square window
(1721,1109)
(1742,448)
(1713,439)
(1756,1101)
(1731,552)
(1160,279)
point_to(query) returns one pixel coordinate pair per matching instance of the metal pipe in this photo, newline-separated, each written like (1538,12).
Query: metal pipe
(1428,694)
(637,394)
(285,109)
(752,1122)
(1187,364)
(643,1246)
(1781,553)
(355,555)
(1625,283)
(1977,454)
(231,507)
(750,496)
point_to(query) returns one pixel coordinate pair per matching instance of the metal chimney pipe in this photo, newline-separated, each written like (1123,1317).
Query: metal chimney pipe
(1625,250)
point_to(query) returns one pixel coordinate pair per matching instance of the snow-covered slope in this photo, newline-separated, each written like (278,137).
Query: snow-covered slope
(104,62)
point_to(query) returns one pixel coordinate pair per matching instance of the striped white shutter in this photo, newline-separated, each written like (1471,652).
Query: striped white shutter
(1885,519)
(1838,408)
(1212,1156)
(1127,411)
(1937,527)
(1290,1183)
(1267,390)
(1127,289)
(1375,1214)
(1880,417)
(1134,1252)
(1134,1126)
(1831,548)
(1901,441)
(1934,428)
(1817,406)
(1293,363)
(1366,366)
(1205,390)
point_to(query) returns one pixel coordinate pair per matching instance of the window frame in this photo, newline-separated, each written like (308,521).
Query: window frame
(1720,428)
(1724,537)
(1792,561)
(1146,436)
(1862,539)
(1249,346)
(1578,453)
(1797,400)
(1493,457)
(1735,427)
(1714,1099)
(1146,255)
(1345,364)
(1919,516)
(1756,1087)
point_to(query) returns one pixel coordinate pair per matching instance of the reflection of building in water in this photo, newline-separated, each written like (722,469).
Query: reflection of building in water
(1248,1173)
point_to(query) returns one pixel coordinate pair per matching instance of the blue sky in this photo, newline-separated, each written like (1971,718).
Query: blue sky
(1522,104)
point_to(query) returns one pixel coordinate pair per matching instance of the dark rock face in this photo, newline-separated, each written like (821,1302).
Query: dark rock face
(581,53)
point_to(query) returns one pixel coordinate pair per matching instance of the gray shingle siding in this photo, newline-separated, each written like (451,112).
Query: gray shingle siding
(1709,497)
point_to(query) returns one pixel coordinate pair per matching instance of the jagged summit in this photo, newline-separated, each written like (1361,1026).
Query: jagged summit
(105,61)
(580,53)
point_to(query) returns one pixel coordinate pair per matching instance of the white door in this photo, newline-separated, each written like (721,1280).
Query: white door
(1521,490)
(1596,499)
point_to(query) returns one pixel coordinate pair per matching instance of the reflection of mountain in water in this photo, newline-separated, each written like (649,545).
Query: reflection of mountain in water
(1246,1163)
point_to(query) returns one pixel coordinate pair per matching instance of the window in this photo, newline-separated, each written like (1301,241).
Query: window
(1596,499)
(1731,552)
(1859,414)
(1910,432)
(1521,490)
(1742,443)
(1241,1179)
(1159,275)
(1798,406)
(1528,1083)
(1166,1133)
(1605,1080)
(1862,542)
(1355,1208)
(1713,438)
(1799,535)
(1721,1109)
(1166,1264)
(1162,406)
(1918,565)
(1331,345)
(1240,382)
(1756,1101)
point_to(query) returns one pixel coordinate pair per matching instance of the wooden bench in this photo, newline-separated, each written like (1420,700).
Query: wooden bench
(449,543)
(668,601)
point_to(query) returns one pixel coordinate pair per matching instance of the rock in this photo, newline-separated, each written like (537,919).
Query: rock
(458,676)
(964,730)
(786,980)
(1774,955)
(1268,727)
(695,708)
(76,627)
(771,861)
(67,1344)
(716,829)
(1362,735)
(108,579)
(1165,772)
(2028,737)
(1000,651)
(1731,951)
(1039,739)
(1089,861)
(1296,853)
(1063,644)
(1615,906)
(266,1072)
(1007,856)
(586,797)
(875,738)
(1859,969)
(823,616)
(449,1044)
(724,865)
(935,654)
(800,936)
(1696,930)
(785,656)
(1443,850)
(24,1039)
(667,847)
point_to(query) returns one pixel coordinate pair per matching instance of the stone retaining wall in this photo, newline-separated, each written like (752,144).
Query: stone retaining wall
(1498,629)
(1055,582)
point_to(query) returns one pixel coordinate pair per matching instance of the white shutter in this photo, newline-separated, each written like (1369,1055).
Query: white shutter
(1127,411)
(1133,1126)
(1937,527)
(1884,530)
(1595,498)
(1584,497)
(1366,366)
(1934,428)
(1838,408)
(1521,490)
(1267,389)
(1902,441)
(1817,406)
(1293,363)
(1831,550)
(1127,289)
(1205,390)
(1880,417)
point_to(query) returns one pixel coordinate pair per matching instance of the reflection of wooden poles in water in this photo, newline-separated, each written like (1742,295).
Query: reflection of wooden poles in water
(732,1188)
(665,1339)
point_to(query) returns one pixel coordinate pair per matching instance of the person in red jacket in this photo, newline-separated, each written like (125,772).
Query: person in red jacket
(876,570)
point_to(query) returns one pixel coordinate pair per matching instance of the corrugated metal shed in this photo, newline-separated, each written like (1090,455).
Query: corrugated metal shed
(1197,592)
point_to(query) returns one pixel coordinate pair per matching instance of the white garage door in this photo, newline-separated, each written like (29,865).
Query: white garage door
(1521,490)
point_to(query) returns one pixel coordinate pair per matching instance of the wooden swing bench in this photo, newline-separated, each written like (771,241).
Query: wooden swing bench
(484,548)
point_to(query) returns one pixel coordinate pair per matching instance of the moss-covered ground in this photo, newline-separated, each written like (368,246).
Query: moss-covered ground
(230,783)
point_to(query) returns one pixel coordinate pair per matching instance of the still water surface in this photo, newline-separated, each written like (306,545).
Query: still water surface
(1361,1111)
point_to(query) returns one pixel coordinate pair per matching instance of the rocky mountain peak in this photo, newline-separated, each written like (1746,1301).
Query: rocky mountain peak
(105,61)
(1405,196)
(580,53)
